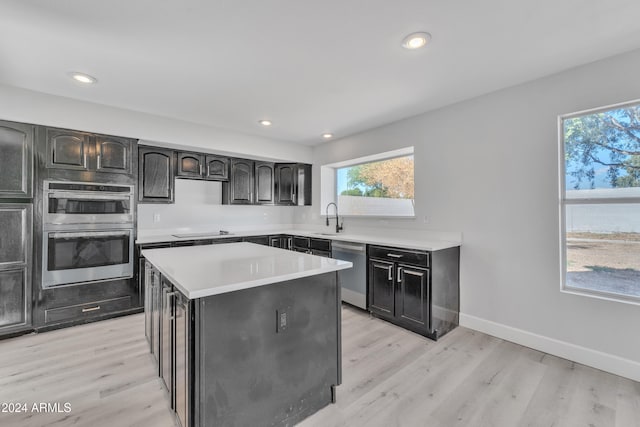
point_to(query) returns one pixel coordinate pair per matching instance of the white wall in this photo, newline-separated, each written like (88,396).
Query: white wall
(488,167)
(198,206)
(23,105)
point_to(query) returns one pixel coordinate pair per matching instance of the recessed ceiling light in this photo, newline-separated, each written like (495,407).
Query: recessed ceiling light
(83,78)
(327,135)
(416,40)
(265,122)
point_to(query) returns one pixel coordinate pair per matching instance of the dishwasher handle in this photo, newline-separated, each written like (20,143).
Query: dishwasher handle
(352,248)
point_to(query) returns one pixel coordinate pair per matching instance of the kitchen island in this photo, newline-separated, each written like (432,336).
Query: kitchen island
(243,334)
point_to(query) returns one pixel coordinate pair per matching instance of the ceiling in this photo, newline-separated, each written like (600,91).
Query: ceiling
(310,67)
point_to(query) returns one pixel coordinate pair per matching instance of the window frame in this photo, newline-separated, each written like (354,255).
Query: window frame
(377,157)
(563,202)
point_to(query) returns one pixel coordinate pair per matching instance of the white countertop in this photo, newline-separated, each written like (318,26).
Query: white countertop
(201,271)
(401,242)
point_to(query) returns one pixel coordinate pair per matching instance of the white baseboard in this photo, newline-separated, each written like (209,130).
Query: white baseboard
(606,362)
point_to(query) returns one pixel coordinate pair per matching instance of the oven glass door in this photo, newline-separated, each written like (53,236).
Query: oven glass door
(73,257)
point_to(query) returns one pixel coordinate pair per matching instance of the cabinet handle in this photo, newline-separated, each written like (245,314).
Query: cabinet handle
(201,170)
(99,161)
(289,243)
(84,159)
(394,256)
(400,274)
(88,309)
(390,272)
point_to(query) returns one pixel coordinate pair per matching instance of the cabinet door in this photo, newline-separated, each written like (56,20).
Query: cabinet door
(217,168)
(181,361)
(15,266)
(14,299)
(264,183)
(190,165)
(148,301)
(68,149)
(113,154)
(381,287)
(241,182)
(155,175)
(156,302)
(166,335)
(412,303)
(285,184)
(16,160)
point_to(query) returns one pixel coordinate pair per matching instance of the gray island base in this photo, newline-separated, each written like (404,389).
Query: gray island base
(266,354)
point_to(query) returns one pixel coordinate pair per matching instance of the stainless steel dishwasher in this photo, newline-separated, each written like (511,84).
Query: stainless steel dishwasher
(352,280)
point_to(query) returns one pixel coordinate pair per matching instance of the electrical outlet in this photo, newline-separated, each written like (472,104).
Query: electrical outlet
(282,319)
(156,217)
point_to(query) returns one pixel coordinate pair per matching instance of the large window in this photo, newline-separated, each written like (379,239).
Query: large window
(376,186)
(600,201)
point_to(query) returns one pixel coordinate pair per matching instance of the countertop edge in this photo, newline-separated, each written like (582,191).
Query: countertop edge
(429,245)
(148,254)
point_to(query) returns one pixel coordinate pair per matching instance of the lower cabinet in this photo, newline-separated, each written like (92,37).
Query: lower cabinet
(418,290)
(168,323)
(15,267)
(281,241)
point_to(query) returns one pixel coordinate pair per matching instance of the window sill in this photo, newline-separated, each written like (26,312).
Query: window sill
(607,296)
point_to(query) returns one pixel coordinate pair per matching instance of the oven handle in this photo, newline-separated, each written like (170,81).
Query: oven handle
(89,196)
(90,234)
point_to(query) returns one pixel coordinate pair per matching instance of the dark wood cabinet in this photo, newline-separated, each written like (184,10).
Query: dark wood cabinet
(412,303)
(15,267)
(190,165)
(155,175)
(81,151)
(166,333)
(170,330)
(310,245)
(418,290)
(216,168)
(16,160)
(113,154)
(240,188)
(292,184)
(182,359)
(67,149)
(285,187)
(381,287)
(202,166)
(264,183)
(281,241)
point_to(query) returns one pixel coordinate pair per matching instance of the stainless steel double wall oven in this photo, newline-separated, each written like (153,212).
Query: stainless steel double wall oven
(88,232)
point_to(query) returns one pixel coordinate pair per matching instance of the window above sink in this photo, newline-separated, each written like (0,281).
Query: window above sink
(379,185)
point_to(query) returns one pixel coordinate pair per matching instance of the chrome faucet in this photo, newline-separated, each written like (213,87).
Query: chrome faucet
(338,225)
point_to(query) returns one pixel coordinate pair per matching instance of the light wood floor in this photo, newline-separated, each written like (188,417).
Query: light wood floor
(391,377)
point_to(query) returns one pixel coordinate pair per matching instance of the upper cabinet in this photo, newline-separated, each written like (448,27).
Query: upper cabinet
(73,150)
(190,165)
(239,189)
(293,184)
(264,183)
(113,154)
(202,166)
(155,175)
(285,184)
(16,160)
(67,149)
(216,168)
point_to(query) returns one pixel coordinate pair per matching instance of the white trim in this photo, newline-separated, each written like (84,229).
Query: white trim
(604,361)
(406,151)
